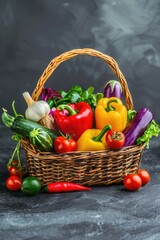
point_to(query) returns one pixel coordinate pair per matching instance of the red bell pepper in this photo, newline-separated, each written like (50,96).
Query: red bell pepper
(74,121)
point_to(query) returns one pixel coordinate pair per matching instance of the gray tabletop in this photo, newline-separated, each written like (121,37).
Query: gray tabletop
(103,213)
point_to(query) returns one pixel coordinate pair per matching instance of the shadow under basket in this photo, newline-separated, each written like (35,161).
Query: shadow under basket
(85,168)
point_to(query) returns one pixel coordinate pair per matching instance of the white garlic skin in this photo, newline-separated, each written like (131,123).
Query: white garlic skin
(37,110)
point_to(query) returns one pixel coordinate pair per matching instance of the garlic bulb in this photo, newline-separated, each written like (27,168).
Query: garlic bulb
(36,110)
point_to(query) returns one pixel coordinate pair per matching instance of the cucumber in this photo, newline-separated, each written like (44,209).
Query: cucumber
(41,140)
(31,185)
(24,126)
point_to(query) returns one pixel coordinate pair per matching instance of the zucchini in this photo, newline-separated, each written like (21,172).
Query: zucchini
(24,126)
(41,140)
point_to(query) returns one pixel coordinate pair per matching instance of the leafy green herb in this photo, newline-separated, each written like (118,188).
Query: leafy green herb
(77,89)
(76,94)
(152,130)
(130,115)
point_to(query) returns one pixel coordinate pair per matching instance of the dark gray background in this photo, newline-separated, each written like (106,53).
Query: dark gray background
(32,32)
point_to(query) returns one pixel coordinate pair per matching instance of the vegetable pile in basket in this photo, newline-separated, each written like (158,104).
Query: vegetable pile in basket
(79,120)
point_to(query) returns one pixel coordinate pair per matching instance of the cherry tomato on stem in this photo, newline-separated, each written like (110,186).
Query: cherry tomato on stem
(13,183)
(14,163)
(132,182)
(15,172)
(64,144)
(9,168)
(115,139)
(144,175)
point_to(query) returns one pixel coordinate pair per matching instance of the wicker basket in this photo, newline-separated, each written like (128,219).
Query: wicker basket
(86,168)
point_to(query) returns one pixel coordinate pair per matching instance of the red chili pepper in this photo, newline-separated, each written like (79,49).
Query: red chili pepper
(79,118)
(56,187)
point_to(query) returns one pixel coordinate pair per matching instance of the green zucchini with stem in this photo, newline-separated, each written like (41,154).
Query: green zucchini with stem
(36,133)
(24,126)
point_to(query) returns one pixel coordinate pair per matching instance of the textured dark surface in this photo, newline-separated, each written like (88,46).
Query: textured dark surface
(33,32)
(102,213)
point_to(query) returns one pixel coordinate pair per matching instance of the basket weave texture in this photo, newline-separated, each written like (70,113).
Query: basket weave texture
(86,168)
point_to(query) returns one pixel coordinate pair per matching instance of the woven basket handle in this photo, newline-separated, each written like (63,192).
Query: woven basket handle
(73,53)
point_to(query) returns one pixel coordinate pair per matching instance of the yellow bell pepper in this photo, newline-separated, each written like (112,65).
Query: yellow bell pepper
(93,140)
(111,111)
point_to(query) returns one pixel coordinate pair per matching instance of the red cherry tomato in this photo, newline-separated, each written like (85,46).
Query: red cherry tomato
(115,139)
(14,171)
(13,164)
(144,175)
(132,182)
(13,183)
(63,144)
(9,167)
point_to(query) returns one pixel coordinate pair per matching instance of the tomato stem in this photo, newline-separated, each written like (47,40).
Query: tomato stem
(16,151)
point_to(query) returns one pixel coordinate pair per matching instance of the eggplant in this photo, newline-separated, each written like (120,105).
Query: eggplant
(113,89)
(137,126)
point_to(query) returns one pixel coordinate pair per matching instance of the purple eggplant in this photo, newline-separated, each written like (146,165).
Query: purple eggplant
(113,89)
(137,126)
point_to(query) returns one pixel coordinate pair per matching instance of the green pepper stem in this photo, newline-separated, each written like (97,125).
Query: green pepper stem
(109,107)
(101,134)
(68,108)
